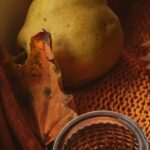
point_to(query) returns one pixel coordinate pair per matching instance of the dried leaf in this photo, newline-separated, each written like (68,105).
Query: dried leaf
(41,77)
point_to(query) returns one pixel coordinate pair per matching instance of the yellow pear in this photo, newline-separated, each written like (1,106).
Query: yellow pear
(86,34)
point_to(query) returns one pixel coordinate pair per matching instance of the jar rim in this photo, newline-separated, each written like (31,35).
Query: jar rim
(126,120)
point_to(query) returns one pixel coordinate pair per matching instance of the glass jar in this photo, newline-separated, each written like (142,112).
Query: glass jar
(101,130)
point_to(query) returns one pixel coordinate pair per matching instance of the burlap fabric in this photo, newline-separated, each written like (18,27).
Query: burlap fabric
(126,89)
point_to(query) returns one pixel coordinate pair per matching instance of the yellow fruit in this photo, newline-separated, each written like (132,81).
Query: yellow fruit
(87,36)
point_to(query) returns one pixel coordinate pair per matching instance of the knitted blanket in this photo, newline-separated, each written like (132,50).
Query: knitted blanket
(125,89)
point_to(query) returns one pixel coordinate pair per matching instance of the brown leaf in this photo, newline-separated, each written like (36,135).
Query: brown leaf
(40,75)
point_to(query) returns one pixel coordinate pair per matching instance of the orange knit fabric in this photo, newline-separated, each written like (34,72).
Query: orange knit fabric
(125,89)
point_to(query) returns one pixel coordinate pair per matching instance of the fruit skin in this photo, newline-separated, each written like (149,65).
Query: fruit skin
(87,36)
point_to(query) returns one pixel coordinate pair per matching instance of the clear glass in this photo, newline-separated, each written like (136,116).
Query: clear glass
(101,130)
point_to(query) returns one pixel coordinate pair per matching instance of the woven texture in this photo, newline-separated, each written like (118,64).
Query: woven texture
(125,89)
(102,137)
